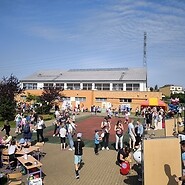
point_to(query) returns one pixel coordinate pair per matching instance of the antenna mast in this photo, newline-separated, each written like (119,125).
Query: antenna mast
(144,51)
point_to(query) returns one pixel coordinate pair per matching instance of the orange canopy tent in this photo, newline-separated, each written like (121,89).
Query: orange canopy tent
(154,102)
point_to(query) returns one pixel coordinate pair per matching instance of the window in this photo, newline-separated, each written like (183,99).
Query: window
(125,100)
(87,86)
(60,86)
(70,86)
(48,85)
(105,86)
(76,86)
(80,99)
(66,99)
(23,97)
(132,87)
(101,99)
(102,86)
(98,86)
(30,85)
(73,86)
(117,87)
(135,87)
(128,87)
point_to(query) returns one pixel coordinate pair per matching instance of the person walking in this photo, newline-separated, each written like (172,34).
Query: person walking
(118,128)
(78,145)
(6,127)
(105,126)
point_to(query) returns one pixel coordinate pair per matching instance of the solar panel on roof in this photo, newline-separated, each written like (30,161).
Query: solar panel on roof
(98,69)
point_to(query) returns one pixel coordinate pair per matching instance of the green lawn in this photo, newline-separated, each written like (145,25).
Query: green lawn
(12,123)
(46,117)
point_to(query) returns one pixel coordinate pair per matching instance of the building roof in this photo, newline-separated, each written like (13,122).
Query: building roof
(104,74)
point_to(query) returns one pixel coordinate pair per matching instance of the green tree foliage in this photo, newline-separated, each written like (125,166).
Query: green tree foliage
(156,89)
(50,94)
(9,88)
(181,97)
(31,97)
(47,98)
(151,89)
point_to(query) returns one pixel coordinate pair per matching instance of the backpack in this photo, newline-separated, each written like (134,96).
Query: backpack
(26,129)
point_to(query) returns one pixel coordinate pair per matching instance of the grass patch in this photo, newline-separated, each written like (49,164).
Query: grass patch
(46,117)
(12,124)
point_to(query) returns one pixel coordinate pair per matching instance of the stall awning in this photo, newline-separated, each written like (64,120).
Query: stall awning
(154,102)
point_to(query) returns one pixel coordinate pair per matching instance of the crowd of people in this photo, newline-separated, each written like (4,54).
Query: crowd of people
(65,128)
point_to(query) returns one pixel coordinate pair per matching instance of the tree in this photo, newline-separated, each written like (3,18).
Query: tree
(50,94)
(47,98)
(9,88)
(31,97)
(181,97)
(151,89)
(156,89)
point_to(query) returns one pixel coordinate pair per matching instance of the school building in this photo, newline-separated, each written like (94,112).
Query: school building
(106,87)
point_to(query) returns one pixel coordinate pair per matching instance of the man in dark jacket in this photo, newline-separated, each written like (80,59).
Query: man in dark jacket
(6,127)
(78,145)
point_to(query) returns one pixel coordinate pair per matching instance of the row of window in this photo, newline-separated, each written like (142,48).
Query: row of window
(176,88)
(85,86)
(83,99)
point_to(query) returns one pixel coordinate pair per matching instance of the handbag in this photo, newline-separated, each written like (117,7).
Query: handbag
(102,134)
(43,126)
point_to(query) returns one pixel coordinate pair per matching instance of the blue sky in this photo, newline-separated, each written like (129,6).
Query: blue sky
(68,34)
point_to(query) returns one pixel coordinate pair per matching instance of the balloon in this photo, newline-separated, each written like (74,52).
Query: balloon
(137,156)
(125,168)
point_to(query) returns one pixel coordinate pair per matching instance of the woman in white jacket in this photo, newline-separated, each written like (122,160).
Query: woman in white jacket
(39,128)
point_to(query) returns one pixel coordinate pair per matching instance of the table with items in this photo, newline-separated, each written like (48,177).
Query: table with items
(32,166)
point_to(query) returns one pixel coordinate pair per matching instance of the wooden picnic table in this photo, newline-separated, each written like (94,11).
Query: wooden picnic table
(32,165)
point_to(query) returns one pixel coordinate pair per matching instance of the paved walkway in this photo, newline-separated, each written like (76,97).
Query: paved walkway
(58,167)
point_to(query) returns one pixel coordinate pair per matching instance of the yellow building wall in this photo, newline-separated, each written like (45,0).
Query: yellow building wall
(165,90)
(112,96)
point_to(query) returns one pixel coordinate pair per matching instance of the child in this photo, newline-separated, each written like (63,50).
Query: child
(97,139)
(63,133)
(6,127)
